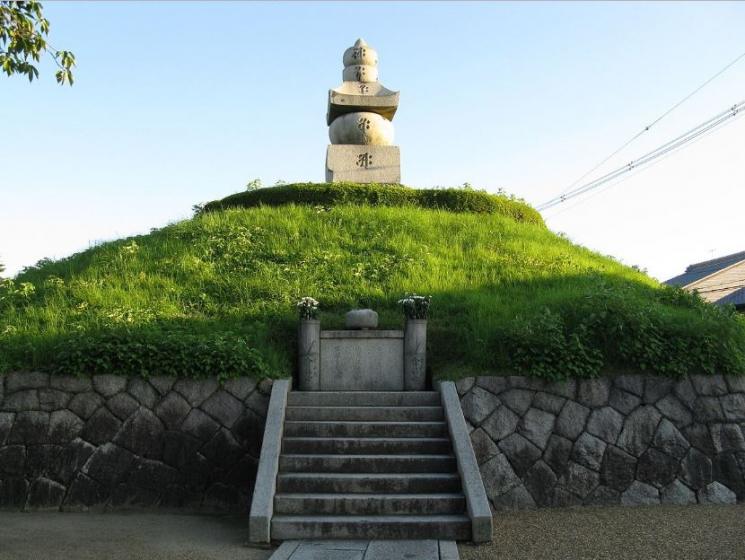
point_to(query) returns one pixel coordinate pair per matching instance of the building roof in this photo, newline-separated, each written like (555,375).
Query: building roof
(736,298)
(699,271)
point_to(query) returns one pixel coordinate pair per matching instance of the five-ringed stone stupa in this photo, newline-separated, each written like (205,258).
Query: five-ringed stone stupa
(359,116)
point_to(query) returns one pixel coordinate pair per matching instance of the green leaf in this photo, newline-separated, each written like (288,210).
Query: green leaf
(23,31)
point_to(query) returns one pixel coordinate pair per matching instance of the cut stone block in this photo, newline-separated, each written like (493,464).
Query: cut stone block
(677,493)
(262,505)
(473,485)
(478,404)
(456,527)
(579,480)
(369,504)
(571,421)
(540,481)
(696,469)
(516,499)
(605,423)
(716,493)
(483,446)
(501,424)
(537,426)
(588,451)
(517,400)
(367,360)
(361,319)
(640,494)
(363,398)
(520,452)
(639,429)
(403,550)
(603,496)
(363,164)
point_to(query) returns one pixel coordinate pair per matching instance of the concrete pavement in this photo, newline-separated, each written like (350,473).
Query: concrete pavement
(367,550)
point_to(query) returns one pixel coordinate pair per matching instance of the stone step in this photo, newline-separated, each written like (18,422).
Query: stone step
(366,446)
(363,398)
(368,463)
(365,413)
(367,483)
(454,527)
(365,429)
(369,504)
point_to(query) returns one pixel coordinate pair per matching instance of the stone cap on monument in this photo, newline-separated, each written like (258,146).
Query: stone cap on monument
(361,319)
(361,90)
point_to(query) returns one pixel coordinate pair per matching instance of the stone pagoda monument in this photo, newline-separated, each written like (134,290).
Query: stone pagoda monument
(359,116)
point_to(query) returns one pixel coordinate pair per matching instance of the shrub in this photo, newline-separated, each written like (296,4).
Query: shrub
(544,346)
(330,194)
(617,326)
(148,353)
(15,294)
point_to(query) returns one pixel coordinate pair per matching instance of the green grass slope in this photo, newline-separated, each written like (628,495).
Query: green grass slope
(330,194)
(215,295)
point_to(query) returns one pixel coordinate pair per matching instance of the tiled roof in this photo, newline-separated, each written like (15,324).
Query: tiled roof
(701,270)
(735,298)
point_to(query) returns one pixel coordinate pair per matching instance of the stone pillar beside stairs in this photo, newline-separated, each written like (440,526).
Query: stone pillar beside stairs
(309,355)
(415,355)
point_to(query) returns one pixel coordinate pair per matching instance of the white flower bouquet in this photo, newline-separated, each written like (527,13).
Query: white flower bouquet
(415,307)
(308,308)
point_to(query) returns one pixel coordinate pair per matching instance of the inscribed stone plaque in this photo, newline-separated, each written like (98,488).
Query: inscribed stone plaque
(362,361)
(363,163)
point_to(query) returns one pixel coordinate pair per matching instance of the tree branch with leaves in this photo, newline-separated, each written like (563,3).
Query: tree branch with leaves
(23,41)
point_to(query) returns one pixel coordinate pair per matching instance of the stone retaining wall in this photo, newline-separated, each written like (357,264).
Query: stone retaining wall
(110,442)
(629,440)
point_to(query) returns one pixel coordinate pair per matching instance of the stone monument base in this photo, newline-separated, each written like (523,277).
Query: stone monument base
(365,360)
(363,163)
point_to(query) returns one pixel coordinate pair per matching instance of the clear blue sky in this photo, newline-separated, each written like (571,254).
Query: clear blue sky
(179,103)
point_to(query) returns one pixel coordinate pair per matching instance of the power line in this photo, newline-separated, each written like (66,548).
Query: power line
(625,177)
(655,121)
(647,158)
(676,143)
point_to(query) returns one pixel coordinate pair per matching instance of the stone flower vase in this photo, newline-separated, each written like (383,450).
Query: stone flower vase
(309,354)
(415,354)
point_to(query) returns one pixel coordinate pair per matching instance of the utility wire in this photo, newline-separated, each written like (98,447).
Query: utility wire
(624,178)
(674,144)
(655,121)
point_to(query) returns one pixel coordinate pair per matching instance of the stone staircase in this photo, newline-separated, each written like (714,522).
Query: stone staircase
(372,465)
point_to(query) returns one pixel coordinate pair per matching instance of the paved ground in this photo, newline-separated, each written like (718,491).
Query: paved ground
(130,536)
(627,533)
(640,533)
(367,550)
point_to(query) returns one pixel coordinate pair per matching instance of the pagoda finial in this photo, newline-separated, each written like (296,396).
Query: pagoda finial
(360,63)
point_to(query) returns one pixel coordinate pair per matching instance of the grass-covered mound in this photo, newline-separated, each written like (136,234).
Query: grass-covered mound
(215,296)
(334,194)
